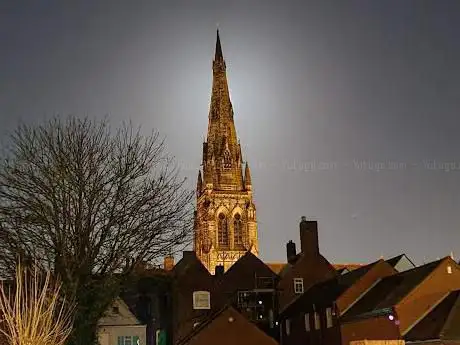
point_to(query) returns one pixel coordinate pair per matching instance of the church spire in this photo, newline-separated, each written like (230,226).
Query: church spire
(221,156)
(225,220)
(218,55)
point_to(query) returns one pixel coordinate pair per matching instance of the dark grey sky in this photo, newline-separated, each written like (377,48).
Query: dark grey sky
(348,111)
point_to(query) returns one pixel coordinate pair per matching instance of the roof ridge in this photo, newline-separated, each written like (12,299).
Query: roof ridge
(202,325)
(450,316)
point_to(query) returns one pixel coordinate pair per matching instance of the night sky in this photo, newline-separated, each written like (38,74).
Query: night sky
(347,111)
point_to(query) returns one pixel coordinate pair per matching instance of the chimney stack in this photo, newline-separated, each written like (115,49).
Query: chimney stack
(168,263)
(309,245)
(188,255)
(219,271)
(291,252)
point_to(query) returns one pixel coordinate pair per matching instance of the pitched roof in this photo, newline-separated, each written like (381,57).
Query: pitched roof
(328,291)
(440,323)
(276,267)
(124,316)
(350,267)
(396,261)
(188,261)
(389,291)
(228,326)
(247,266)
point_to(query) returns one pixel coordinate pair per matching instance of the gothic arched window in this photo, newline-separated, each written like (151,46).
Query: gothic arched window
(238,230)
(222,231)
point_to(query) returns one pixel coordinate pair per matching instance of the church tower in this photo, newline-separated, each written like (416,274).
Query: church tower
(225,217)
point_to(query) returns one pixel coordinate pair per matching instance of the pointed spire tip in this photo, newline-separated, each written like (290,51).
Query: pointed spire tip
(218,54)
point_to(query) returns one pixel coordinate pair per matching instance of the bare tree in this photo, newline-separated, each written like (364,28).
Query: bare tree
(33,309)
(81,199)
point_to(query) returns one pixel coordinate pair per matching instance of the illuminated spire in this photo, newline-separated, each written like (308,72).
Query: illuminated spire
(218,54)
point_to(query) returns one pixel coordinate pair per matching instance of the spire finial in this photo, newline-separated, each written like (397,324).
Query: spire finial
(218,54)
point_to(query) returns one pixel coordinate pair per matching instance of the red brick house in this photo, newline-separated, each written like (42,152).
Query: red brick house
(440,326)
(228,327)
(304,269)
(192,295)
(397,303)
(250,287)
(314,317)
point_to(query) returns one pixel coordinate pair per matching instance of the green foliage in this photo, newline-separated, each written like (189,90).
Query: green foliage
(94,298)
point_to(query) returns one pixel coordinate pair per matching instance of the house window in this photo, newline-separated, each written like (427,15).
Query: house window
(288,326)
(449,269)
(307,322)
(317,321)
(128,340)
(222,231)
(329,322)
(298,285)
(245,299)
(201,300)
(238,230)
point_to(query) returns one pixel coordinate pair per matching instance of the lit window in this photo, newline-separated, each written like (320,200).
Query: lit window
(317,321)
(201,300)
(128,340)
(328,317)
(298,285)
(307,322)
(449,269)
(288,326)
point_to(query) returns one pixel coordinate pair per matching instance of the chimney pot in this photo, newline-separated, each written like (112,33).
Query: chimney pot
(309,245)
(219,270)
(168,263)
(290,251)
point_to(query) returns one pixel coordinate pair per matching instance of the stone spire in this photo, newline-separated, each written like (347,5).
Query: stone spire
(221,152)
(225,219)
